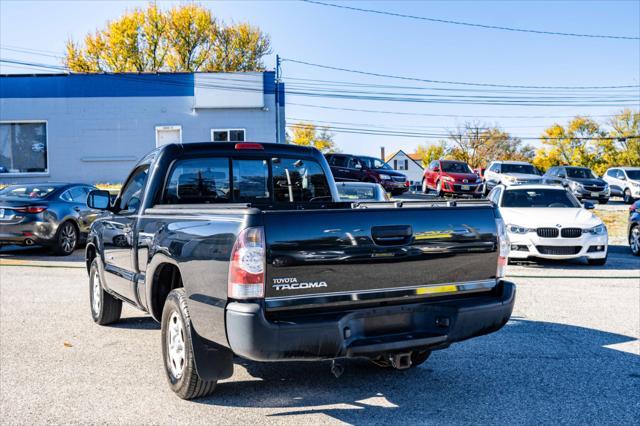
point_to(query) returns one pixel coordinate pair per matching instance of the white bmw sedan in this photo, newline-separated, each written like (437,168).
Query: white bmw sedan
(549,222)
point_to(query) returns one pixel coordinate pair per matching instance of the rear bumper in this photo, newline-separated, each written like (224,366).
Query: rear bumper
(37,232)
(368,331)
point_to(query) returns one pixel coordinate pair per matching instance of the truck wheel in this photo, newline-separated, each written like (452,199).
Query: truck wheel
(66,239)
(105,309)
(177,349)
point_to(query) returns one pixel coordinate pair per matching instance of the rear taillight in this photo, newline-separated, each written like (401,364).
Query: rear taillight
(406,183)
(246,269)
(503,248)
(30,209)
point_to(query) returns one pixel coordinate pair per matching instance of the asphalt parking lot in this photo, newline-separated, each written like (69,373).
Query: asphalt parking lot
(570,355)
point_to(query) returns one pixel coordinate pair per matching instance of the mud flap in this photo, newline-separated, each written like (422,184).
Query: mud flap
(213,361)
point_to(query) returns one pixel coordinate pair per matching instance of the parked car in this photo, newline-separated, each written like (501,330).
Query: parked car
(634,228)
(624,182)
(510,173)
(244,249)
(451,177)
(357,168)
(49,214)
(582,182)
(361,191)
(479,171)
(549,222)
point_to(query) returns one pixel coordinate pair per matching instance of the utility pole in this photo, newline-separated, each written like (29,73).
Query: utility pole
(277,96)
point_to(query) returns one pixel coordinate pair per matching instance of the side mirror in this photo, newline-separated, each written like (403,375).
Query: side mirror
(358,166)
(437,169)
(623,177)
(99,199)
(562,176)
(588,205)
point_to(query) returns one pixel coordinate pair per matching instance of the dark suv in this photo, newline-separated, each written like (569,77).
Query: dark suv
(357,168)
(581,181)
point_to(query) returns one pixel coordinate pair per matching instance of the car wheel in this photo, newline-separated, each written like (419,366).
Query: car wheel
(485,190)
(105,309)
(177,349)
(628,199)
(425,188)
(439,192)
(634,240)
(66,239)
(597,262)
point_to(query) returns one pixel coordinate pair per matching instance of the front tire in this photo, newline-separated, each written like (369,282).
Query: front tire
(66,239)
(439,192)
(628,199)
(177,349)
(105,309)
(634,240)
(425,188)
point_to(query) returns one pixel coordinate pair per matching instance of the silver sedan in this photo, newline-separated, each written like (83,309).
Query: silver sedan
(50,214)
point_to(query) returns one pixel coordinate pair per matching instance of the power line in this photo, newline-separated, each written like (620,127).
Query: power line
(442,115)
(463,83)
(470,24)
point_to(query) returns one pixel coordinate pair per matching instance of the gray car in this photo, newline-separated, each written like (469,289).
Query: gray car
(50,214)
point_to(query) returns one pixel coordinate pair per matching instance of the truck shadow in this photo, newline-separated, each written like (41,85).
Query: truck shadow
(528,372)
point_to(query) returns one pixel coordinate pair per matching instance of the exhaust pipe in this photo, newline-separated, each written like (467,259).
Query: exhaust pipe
(28,242)
(400,361)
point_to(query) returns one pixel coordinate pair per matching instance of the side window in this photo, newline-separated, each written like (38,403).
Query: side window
(297,180)
(131,194)
(79,194)
(354,163)
(552,172)
(612,173)
(198,180)
(433,165)
(339,161)
(66,196)
(250,180)
(495,167)
(494,196)
(621,174)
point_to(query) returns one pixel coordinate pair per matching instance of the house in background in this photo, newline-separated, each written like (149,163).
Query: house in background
(409,164)
(93,128)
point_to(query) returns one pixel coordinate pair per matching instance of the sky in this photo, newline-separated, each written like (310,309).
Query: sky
(396,46)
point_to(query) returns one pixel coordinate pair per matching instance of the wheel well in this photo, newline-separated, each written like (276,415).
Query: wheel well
(90,254)
(165,278)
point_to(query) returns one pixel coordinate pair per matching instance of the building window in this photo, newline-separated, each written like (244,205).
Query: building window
(168,134)
(23,147)
(227,135)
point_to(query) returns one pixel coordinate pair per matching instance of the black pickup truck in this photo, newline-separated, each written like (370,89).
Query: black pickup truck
(242,250)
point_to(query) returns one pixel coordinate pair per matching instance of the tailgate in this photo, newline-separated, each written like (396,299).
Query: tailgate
(325,256)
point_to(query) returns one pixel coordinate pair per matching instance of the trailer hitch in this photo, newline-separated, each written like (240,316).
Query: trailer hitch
(400,361)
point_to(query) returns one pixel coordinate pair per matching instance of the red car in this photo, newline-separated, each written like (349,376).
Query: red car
(451,177)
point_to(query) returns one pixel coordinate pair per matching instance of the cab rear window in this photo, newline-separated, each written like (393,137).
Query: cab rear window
(222,180)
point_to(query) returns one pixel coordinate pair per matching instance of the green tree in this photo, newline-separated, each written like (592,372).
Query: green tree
(185,38)
(307,134)
(625,128)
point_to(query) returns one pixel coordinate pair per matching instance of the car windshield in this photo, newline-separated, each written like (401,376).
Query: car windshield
(633,174)
(375,163)
(518,198)
(580,173)
(349,192)
(527,169)
(34,192)
(455,167)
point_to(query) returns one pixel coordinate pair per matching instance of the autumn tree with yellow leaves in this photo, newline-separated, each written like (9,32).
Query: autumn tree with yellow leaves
(307,134)
(184,38)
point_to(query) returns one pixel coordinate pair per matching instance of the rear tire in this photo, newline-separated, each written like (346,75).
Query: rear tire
(177,349)
(66,239)
(105,309)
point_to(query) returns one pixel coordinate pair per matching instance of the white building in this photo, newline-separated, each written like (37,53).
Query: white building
(409,164)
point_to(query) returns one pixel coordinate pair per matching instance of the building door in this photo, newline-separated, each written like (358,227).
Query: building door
(168,134)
